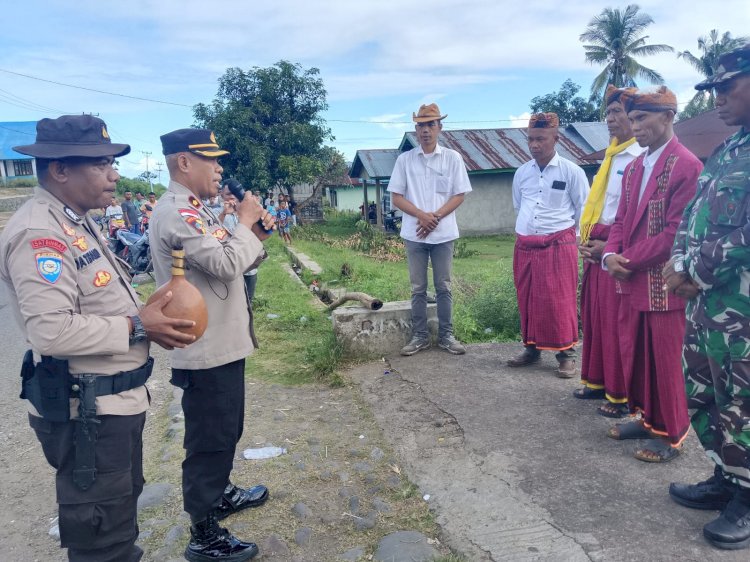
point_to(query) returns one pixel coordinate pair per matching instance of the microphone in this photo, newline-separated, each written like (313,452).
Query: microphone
(236,189)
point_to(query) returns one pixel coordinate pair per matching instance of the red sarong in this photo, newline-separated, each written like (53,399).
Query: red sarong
(651,351)
(601,366)
(545,272)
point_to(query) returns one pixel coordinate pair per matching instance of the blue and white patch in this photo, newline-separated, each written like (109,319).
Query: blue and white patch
(49,266)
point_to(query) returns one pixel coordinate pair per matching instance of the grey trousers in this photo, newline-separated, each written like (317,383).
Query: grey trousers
(441,255)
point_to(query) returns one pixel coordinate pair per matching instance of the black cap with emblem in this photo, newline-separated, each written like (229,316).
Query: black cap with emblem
(198,141)
(72,136)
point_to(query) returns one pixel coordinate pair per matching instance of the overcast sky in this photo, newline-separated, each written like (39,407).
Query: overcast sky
(480,60)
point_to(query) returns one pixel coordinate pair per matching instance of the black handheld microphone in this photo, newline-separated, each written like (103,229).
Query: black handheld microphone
(236,189)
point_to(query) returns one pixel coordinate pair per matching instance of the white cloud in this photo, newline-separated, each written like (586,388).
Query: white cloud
(518,120)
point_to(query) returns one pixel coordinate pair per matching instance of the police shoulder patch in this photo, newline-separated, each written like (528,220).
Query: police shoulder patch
(49,265)
(39,243)
(193,218)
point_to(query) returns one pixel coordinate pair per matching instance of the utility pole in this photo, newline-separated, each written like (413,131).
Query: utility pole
(159,169)
(147,154)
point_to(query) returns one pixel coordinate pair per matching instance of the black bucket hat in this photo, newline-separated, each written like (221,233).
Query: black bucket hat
(72,136)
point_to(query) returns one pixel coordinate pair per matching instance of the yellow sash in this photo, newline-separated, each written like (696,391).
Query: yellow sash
(592,211)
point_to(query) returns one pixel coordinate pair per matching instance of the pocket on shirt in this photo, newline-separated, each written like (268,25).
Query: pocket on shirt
(729,207)
(555,197)
(443,184)
(99,290)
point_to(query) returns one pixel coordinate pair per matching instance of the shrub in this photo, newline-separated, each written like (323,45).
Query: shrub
(22,182)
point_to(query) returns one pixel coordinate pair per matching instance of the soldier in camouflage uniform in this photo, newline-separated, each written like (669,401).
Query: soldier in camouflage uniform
(711,268)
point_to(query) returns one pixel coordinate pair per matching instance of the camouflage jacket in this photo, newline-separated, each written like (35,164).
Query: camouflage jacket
(713,239)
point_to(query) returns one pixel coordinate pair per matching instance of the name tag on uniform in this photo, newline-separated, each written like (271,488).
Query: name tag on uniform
(557,184)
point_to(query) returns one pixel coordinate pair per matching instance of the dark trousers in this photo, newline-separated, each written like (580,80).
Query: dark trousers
(214,407)
(99,524)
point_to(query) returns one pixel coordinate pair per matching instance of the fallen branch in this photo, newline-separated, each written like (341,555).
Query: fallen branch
(366,300)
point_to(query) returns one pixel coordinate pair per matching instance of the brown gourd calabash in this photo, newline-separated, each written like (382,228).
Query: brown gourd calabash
(187,302)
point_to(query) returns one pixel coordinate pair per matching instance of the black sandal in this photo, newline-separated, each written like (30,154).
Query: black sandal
(588,393)
(612,410)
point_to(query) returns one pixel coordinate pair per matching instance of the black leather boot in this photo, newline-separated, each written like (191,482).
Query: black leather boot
(731,530)
(714,493)
(236,499)
(209,542)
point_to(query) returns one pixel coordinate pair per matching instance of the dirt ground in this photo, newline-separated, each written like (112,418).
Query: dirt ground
(337,488)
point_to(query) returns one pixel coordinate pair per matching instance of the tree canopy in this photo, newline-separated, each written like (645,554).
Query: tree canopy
(269,119)
(615,37)
(569,107)
(707,62)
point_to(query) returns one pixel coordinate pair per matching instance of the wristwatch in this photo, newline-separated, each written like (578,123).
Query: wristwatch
(678,266)
(139,332)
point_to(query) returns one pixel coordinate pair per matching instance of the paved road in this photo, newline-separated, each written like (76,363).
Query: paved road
(518,469)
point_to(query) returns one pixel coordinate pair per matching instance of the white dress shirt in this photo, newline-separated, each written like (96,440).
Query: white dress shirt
(614,183)
(549,200)
(649,161)
(428,181)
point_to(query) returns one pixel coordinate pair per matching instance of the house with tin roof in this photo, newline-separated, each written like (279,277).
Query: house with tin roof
(14,165)
(491,157)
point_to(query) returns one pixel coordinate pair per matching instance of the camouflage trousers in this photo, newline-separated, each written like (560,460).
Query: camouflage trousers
(717,379)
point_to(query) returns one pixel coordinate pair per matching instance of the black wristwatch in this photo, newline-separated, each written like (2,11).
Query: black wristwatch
(139,332)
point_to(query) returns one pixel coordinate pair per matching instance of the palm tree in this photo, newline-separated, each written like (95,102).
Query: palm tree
(711,47)
(616,38)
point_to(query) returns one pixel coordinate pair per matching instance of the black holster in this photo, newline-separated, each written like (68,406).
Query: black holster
(47,386)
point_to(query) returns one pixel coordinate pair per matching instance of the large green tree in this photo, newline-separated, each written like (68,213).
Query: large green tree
(270,121)
(711,48)
(569,107)
(614,39)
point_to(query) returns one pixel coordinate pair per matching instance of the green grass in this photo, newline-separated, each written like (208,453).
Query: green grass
(484,296)
(298,346)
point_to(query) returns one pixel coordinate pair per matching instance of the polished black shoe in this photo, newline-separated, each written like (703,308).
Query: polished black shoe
(731,530)
(236,499)
(714,493)
(209,542)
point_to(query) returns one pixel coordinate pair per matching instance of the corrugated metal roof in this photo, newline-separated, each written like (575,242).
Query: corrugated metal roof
(378,163)
(703,133)
(507,149)
(16,134)
(596,134)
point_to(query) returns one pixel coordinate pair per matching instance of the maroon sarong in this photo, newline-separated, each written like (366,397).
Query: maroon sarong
(545,272)
(651,351)
(601,366)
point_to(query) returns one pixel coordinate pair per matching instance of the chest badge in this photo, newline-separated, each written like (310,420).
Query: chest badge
(220,234)
(102,278)
(81,243)
(49,266)
(68,230)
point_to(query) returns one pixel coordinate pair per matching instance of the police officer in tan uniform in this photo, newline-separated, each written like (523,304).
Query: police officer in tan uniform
(84,375)
(211,372)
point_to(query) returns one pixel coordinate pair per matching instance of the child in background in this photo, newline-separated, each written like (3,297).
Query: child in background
(284,221)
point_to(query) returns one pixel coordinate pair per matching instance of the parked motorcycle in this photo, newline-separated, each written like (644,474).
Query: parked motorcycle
(135,249)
